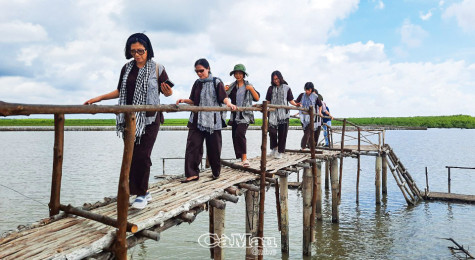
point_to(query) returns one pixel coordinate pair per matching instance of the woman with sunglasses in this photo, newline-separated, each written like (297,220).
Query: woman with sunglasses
(207,91)
(241,93)
(307,99)
(279,93)
(139,84)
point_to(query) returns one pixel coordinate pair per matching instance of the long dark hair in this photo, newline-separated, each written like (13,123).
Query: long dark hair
(279,76)
(203,62)
(142,39)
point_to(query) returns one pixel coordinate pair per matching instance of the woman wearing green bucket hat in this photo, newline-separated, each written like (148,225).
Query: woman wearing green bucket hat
(242,94)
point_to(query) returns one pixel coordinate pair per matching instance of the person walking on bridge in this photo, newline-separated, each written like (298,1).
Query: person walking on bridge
(140,83)
(279,93)
(307,99)
(242,94)
(207,91)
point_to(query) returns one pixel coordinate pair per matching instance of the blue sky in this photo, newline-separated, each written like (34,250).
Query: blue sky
(367,57)
(440,38)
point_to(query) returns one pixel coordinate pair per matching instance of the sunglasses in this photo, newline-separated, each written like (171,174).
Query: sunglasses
(199,71)
(139,52)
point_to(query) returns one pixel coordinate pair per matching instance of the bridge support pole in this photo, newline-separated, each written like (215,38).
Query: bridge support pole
(335,186)
(307,183)
(284,213)
(385,174)
(319,191)
(252,218)
(54,203)
(123,192)
(327,175)
(219,214)
(377,179)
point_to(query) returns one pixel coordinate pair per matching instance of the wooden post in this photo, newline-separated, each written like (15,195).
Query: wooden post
(448,168)
(358,167)
(262,192)
(334,180)
(211,230)
(319,191)
(219,220)
(123,192)
(284,213)
(427,181)
(377,180)
(252,217)
(327,174)
(341,159)
(385,174)
(54,202)
(315,189)
(307,183)
(277,204)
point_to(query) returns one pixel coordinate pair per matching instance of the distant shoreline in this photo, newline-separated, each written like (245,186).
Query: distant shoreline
(183,128)
(406,123)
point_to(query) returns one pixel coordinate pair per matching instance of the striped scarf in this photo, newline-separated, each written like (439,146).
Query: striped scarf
(307,101)
(279,97)
(208,98)
(247,116)
(140,97)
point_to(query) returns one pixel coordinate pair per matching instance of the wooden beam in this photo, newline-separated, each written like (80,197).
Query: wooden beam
(123,191)
(262,192)
(57,164)
(307,181)
(96,217)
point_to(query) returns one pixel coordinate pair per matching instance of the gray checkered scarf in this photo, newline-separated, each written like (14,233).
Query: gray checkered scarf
(279,97)
(208,98)
(307,101)
(247,116)
(140,97)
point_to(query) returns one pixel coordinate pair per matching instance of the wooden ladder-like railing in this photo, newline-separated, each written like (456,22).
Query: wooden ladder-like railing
(404,180)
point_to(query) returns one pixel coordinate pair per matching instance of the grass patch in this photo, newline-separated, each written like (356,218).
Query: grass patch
(455,121)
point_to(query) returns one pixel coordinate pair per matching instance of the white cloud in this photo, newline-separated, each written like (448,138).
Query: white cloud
(379,5)
(425,16)
(357,79)
(412,35)
(20,32)
(463,13)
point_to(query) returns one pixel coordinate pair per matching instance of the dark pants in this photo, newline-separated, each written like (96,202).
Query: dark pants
(305,143)
(239,139)
(141,162)
(194,151)
(278,136)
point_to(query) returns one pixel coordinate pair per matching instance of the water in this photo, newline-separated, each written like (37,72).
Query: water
(392,231)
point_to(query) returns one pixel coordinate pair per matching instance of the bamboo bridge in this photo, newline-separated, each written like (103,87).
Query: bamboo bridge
(107,229)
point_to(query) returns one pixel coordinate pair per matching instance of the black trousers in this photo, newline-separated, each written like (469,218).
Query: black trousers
(305,142)
(141,162)
(278,136)
(239,138)
(194,151)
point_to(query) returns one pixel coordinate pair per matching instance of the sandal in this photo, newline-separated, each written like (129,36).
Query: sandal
(245,163)
(188,180)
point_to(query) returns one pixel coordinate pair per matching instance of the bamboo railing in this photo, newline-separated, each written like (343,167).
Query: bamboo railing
(120,245)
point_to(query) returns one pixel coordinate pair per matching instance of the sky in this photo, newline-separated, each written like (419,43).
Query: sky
(368,58)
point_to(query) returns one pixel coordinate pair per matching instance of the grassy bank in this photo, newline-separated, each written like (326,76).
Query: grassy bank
(455,121)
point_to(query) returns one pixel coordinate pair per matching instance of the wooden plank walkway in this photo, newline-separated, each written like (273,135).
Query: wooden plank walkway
(76,237)
(450,197)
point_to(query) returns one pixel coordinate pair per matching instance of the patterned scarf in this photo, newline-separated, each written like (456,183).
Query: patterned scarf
(307,101)
(247,116)
(208,98)
(279,97)
(140,97)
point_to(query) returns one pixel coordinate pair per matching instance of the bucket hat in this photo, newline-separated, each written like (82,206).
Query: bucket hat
(238,67)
